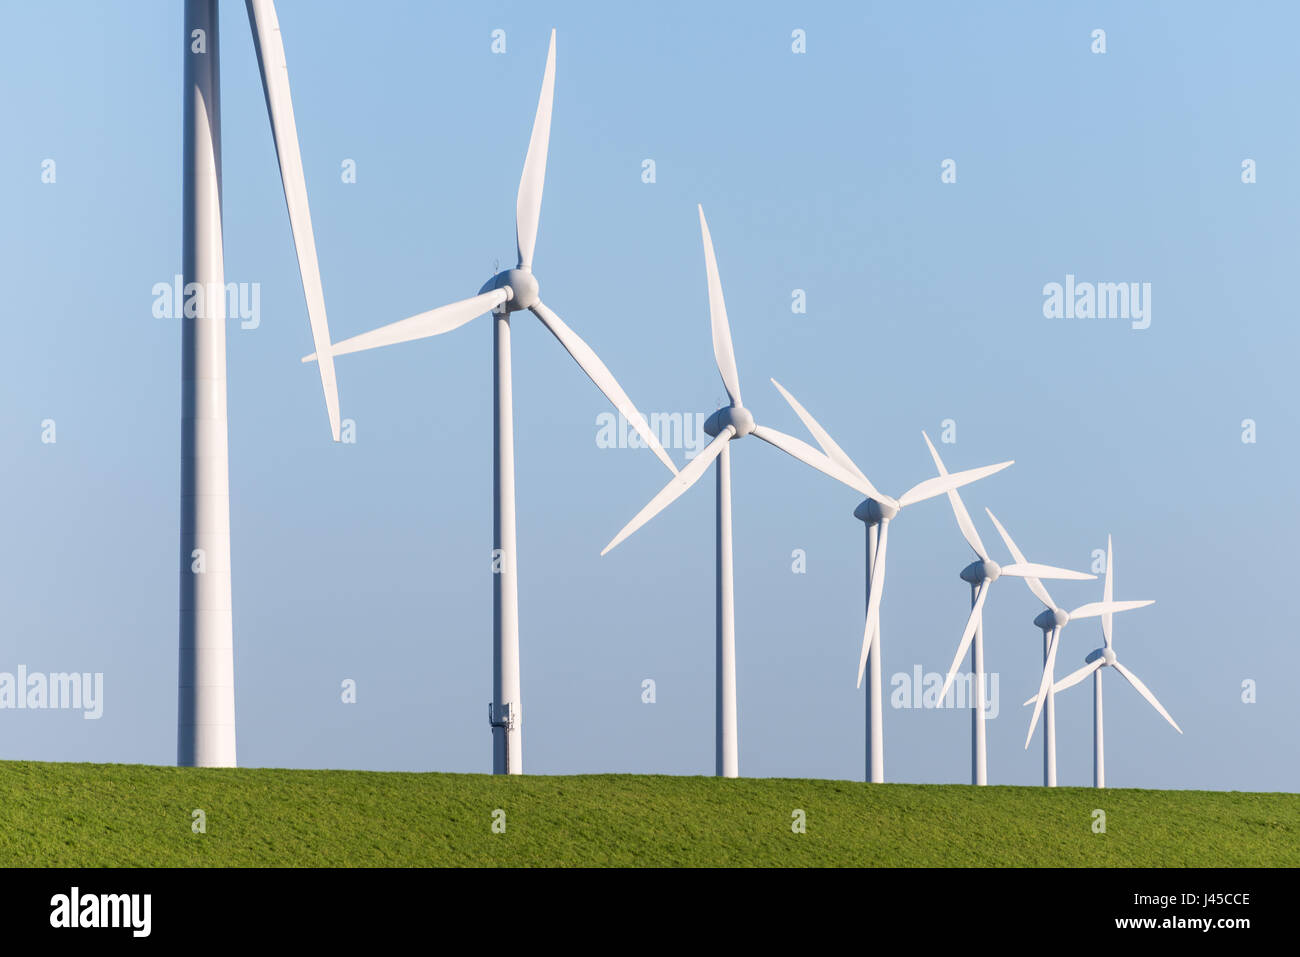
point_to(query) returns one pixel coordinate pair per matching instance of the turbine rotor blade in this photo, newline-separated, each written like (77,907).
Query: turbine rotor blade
(1107,595)
(1034,570)
(723,352)
(1145,692)
(976,614)
(807,454)
(1070,680)
(528,202)
(675,487)
(1046,683)
(829,446)
(1034,584)
(964,522)
(1095,608)
(596,370)
(870,637)
(422,326)
(271,63)
(942,483)
(1074,677)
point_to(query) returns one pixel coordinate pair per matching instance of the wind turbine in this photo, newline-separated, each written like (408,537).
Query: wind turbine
(509,291)
(1050,621)
(981,574)
(877,511)
(206,690)
(727,424)
(1096,660)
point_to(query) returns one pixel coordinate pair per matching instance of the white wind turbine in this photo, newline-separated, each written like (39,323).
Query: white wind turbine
(877,512)
(731,422)
(206,689)
(509,291)
(1096,660)
(1051,621)
(981,574)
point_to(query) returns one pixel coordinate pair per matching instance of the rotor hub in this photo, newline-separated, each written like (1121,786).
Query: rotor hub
(978,571)
(523,286)
(1052,618)
(738,417)
(873,512)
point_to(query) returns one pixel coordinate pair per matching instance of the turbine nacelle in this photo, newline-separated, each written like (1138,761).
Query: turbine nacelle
(979,571)
(1105,655)
(873,512)
(738,417)
(521,284)
(1051,618)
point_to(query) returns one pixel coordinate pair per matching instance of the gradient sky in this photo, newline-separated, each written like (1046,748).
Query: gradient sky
(819,172)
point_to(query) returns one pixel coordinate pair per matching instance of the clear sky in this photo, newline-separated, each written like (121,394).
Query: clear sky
(818,171)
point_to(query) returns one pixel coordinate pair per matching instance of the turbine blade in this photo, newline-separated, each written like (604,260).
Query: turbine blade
(1145,692)
(675,487)
(1095,608)
(590,363)
(422,326)
(1034,584)
(870,637)
(271,64)
(964,522)
(976,613)
(829,446)
(1074,677)
(528,203)
(942,483)
(1034,570)
(1107,595)
(807,454)
(1070,680)
(722,348)
(1046,683)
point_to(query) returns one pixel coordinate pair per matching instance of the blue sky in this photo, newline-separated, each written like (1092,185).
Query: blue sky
(818,171)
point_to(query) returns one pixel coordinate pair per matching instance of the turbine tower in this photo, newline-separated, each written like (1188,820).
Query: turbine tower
(980,575)
(877,511)
(727,424)
(206,688)
(1097,660)
(509,291)
(1051,621)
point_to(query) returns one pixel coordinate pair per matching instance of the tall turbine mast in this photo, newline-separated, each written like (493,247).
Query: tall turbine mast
(980,575)
(206,700)
(876,512)
(510,291)
(205,727)
(729,423)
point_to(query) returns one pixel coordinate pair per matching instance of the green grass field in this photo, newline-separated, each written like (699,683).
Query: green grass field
(131,815)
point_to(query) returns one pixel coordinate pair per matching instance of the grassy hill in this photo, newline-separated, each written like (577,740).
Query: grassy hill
(129,815)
